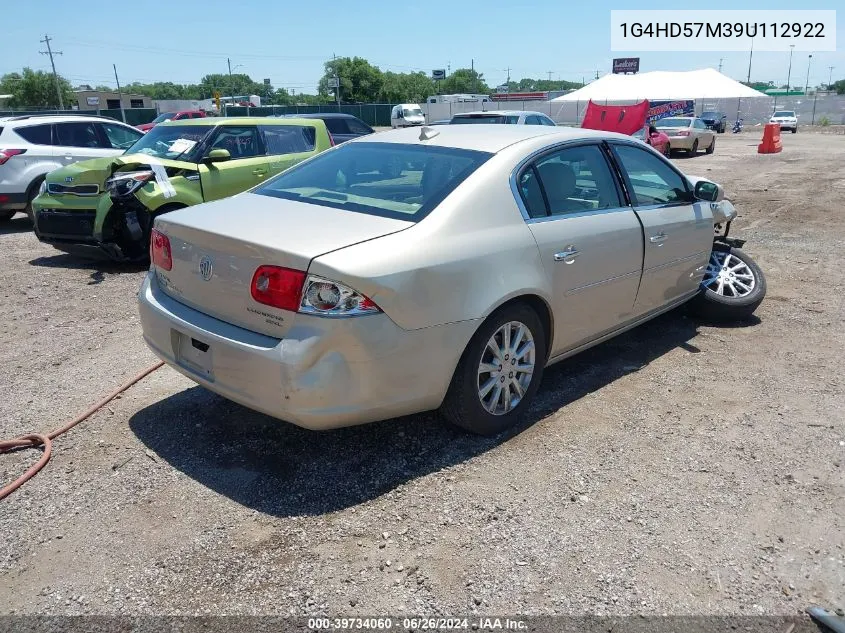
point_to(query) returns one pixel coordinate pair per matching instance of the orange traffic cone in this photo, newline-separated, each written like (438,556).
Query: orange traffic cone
(771,140)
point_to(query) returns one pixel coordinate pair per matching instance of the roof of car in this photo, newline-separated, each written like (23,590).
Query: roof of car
(33,119)
(499,113)
(320,115)
(240,120)
(485,138)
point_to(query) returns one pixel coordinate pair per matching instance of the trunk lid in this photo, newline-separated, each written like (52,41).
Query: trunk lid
(234,236)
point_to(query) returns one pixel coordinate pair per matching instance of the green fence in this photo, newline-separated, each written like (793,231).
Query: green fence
(134,116)
(375,114)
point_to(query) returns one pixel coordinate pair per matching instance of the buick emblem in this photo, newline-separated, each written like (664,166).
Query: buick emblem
(206,267)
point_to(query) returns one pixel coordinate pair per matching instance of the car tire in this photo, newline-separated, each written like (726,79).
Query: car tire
(795,130)
(723,306)
(667,151)
(465,405)
(712,147)
(7,215)
(694,150)
(32,194)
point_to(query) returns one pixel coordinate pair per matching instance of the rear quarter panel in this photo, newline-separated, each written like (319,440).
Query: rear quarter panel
(469,256)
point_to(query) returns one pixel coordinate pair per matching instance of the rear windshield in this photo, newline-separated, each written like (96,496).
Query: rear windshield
(390,180)
(710,115)
(673,123)
(171,141)
(784,113)
(479,119)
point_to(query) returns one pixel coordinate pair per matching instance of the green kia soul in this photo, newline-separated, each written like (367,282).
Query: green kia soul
(106,206)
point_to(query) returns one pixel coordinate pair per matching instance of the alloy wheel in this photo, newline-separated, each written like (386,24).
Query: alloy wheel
(506,367)
(727,275)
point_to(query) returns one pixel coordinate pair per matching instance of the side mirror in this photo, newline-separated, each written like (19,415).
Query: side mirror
(217,156)
(708,191)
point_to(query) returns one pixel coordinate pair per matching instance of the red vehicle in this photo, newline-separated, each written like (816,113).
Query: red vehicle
(657,139)
(172,116)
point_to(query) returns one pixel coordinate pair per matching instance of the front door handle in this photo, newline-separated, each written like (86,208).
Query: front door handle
(657,239)
(568,256)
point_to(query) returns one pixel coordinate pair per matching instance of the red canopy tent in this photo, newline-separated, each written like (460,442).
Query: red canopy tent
(625,119)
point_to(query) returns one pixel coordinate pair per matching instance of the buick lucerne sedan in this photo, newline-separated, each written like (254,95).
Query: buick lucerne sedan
(341,292)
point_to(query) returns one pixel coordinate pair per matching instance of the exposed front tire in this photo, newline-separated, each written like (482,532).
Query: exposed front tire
(712,147)
(499,372)
(32,194)
(733,286)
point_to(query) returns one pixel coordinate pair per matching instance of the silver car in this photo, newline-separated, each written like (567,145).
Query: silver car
(339,293)
(688,133)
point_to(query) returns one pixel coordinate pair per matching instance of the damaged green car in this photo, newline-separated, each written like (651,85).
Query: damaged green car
(105,207)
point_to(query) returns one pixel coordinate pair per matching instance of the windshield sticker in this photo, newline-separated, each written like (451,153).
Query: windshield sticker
(181,145)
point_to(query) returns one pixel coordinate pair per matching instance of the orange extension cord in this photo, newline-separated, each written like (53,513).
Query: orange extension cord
(34,440)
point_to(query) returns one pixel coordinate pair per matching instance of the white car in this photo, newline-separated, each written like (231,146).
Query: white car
(33,145)
(786,119)
(507,117)
(406,115)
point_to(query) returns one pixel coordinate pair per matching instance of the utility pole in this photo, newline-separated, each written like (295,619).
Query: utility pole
(51,52)
(789,72)
(750,55)
(231,82)
(119,94)
(550,74)
(472,70)
(597,74)
(807,82)
(337,82)
(721,59)
(829,76)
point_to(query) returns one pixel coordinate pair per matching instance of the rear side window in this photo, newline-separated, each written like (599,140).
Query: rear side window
(337,126)
(574,180)
(385,179)
(36,134)
(288,139)
(82,134)
(357,127)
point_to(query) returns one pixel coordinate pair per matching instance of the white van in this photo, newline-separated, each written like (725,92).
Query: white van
(406,115)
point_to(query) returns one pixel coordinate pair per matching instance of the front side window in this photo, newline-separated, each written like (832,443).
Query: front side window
(81,134)
(385,179)
(652,180)
(120,137)
(172,141)
(36,134)
(240,141)
(577,179)
(288,139)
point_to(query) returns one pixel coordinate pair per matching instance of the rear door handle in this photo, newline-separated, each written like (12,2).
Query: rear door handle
(568,256)
(656,239)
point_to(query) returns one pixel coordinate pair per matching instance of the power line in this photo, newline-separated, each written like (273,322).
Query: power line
(51,52)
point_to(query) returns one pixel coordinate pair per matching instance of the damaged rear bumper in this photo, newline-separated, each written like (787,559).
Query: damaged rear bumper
(325,373)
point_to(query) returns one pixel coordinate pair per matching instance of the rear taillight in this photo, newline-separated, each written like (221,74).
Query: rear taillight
(278,287)
(6,154)
(328,298)
(160,253)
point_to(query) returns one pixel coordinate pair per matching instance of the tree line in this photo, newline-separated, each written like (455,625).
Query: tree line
(360,82)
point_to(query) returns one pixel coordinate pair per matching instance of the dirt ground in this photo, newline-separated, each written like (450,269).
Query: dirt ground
(680,468)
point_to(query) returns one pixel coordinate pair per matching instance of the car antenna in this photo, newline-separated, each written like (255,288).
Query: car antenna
(427,132)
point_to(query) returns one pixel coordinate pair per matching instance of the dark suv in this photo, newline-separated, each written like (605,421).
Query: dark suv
(716,121)
(342,127)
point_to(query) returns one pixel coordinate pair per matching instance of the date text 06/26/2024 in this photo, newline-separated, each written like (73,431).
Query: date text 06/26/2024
(730,30)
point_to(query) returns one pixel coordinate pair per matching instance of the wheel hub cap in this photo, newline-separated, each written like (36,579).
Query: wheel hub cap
(728,275)
(506,368)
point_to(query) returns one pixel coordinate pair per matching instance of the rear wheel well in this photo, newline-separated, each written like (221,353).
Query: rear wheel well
(541,308)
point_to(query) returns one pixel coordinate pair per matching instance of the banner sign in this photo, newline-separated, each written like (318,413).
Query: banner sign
(663,109)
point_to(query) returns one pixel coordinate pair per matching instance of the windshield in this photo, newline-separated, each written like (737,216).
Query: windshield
(165,116)
(710,115)
(783,113)
(479,119)
(411,112)
(673,123)
(171,141)
(390,180)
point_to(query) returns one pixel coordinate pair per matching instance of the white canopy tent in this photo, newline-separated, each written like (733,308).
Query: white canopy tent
(660,85)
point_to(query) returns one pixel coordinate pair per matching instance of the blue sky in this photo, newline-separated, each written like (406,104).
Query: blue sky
(288,41)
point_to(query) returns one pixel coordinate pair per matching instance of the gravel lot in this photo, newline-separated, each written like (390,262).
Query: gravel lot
(681,468)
